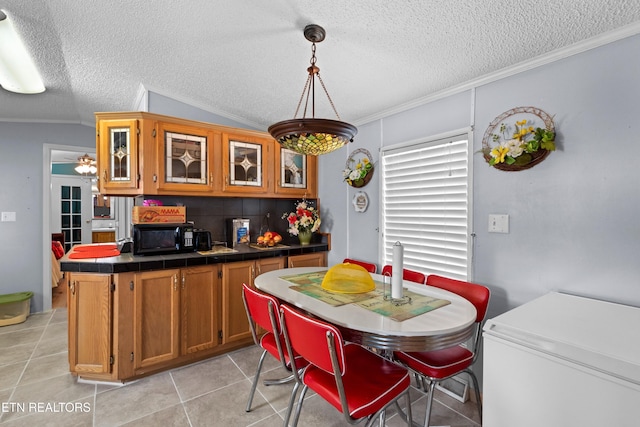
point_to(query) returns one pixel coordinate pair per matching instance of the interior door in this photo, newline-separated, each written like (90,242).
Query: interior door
(71,209)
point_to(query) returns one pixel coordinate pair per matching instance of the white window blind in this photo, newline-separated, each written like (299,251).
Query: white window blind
(425,205)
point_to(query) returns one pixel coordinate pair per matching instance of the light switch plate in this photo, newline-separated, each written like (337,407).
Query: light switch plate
(498,223)
(8,216)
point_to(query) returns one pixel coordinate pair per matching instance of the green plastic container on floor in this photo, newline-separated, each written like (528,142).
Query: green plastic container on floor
(14,308)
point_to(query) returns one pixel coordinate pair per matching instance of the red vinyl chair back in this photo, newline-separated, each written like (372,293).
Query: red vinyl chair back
(438,365)
(262,309)
(309,338)
(410,275)
(371,268)
(478,295)
(355,381)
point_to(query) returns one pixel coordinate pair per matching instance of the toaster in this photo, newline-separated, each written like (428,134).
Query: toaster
(202,240)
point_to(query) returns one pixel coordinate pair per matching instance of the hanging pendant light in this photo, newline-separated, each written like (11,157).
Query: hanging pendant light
(86,165)
(308,135)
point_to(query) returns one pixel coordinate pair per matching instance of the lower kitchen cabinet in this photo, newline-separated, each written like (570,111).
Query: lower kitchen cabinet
(317,259)
(124,326)
(89,302)
(235,325)
(103,236)
(199,294)
(156,317)
(175,313)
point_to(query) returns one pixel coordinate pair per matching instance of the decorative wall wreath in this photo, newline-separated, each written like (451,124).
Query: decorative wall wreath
(359,168)
(518,144)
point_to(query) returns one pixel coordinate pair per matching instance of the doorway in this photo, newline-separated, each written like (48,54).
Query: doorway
(71,209)
(59,153)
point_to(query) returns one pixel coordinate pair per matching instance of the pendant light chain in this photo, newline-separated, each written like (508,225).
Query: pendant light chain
(309,88)
(308,135)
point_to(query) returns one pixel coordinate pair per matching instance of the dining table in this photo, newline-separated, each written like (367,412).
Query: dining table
(421,328)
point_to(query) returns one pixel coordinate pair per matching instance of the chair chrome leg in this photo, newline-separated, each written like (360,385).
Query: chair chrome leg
(255,381)
(292,399)
(477,391)
(279,381)
(418,382)
(427,415)
(409,416)
(299,406)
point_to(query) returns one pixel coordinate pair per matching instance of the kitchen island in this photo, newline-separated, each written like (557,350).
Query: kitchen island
(132,316)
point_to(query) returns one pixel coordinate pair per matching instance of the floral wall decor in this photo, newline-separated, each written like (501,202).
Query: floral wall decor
(519,139)
(359,168)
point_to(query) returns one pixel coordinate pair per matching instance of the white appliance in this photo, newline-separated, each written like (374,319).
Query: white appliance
(562,360)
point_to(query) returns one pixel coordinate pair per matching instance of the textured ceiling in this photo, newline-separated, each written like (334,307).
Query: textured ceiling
(247,60)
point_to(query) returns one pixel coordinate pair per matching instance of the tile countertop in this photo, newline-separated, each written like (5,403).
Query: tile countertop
(129,263)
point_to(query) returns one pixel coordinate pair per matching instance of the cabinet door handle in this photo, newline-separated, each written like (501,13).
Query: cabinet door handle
(175,282)
(104,175)
(72,287)
(211,179)
(184,279)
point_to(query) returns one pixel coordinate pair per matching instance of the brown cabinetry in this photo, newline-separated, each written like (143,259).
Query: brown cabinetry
(187,159)
(317,259)
(295,174)
(199,302)
(175,313)
(117,147)
(247,160)
(235,325)
(103,236)
(127,325)
(89,302)
(156,317)
(145,153)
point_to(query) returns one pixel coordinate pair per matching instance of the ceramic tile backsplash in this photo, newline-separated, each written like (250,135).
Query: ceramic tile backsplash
(211,213)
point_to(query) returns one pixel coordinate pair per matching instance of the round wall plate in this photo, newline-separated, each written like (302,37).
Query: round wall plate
(360,201)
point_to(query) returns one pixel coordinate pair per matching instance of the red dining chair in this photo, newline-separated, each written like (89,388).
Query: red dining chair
(263,311)
(357,382)
(371,268)
(438,365)
(410,275)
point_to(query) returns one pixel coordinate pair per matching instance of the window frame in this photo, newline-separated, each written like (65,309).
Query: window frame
(385,253)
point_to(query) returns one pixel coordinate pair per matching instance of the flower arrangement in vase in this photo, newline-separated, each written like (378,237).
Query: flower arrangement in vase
(303,221)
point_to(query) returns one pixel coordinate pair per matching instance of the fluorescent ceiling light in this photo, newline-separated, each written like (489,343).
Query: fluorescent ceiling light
(18,73)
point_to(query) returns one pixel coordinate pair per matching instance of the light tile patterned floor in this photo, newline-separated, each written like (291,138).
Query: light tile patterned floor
(36,389)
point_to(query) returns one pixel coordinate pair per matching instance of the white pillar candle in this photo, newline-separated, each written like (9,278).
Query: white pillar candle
(397,269)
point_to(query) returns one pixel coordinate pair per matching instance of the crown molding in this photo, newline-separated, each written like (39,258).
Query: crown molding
(556,55)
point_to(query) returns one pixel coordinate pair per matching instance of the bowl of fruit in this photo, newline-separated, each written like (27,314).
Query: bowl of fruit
(269,239)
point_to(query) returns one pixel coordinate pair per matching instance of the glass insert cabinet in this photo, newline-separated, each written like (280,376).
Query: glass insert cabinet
(246,163)
(151,154)
(296,173)
(188,156)
(118,154)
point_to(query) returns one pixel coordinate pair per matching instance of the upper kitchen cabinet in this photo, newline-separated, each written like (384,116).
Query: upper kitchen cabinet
(187,159)
(146,153)
(247,160)
(295,173)
(117,146)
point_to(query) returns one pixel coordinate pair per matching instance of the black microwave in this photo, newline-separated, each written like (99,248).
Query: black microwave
(162,238)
